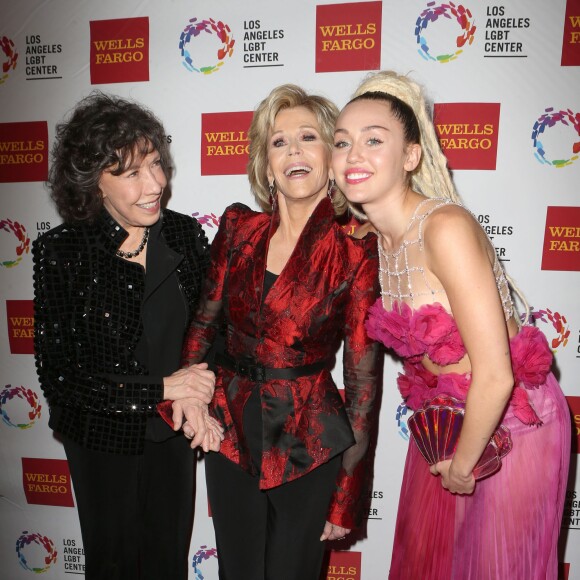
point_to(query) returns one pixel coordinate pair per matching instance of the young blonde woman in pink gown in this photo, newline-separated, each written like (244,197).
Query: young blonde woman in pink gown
(447,310)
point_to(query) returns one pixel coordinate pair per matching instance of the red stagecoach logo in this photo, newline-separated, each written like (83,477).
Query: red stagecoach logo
(351,226)
(47,482)
(574,404)
(224,143)
(341,565)
(571,34)
(119,50)
(20,319)
(468,133)
(348,36)
(23,151)
(562,239)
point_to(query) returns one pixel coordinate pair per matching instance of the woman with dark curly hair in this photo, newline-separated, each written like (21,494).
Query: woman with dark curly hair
(115,287)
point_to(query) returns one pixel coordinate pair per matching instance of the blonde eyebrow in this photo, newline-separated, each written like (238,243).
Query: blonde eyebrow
(312,127)
(364,129)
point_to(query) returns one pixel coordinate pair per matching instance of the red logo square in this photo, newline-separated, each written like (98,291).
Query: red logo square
(563,571)
(119,50)
(23,151)
(348,36)
(571,35)
(224,143)
(345,565)
(562,239)
(47,482)
(20,319)
(468,133)
(574,404)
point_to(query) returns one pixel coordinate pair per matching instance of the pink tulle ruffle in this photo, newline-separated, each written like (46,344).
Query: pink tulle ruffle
(430,330)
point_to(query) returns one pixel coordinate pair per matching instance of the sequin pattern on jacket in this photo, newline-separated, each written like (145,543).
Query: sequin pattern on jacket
(88,322)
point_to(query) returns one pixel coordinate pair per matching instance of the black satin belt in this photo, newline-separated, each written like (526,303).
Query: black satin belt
(257,372)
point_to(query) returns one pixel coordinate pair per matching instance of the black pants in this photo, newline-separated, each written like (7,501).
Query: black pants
(135,511)
(272,534)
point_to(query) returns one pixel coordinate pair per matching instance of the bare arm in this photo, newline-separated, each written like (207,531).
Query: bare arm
(458,253)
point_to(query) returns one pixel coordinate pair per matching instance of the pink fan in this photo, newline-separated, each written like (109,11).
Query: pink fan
(436,427)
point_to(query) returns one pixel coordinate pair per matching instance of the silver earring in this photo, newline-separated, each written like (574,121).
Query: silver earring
(330,191)
(272,189)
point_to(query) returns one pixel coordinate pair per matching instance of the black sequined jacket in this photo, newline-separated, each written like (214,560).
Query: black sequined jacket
(88,322)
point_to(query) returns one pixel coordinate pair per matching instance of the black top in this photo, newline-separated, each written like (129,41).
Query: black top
(165,314)
(269,280)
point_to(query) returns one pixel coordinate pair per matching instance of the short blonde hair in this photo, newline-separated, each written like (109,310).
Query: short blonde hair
(286,96)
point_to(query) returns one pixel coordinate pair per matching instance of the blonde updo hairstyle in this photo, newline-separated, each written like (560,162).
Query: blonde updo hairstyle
(287,96)
(431,177)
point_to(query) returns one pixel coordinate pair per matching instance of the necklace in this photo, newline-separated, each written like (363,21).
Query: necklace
(139,249)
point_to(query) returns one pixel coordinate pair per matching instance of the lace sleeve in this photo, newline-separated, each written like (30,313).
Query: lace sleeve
(208,315)
(361,367)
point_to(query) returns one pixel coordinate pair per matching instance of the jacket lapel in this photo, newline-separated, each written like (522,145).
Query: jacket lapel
(316,228)
(165,259)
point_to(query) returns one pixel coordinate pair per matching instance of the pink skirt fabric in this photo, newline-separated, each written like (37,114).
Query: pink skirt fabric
(508,528)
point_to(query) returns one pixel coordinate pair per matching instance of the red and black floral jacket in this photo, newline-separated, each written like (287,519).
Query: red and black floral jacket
(319,299)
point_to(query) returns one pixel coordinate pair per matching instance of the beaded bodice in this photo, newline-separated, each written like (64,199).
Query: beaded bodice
(408,319)
(403,275)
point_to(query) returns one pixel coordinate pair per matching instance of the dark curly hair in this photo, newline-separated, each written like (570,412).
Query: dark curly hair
(102,132)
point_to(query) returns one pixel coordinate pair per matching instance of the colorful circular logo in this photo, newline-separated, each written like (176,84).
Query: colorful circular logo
(401,418)
(202,555)
(450,11)
(36,553)
(550,119)
(19,407)
(10,58)
(194,29)
(558,323)
(208,219)
(23,246)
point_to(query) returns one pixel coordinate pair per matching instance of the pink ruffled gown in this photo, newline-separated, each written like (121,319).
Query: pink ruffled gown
(508,528)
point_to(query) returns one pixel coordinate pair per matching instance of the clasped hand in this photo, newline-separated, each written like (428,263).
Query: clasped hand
(333,532)
(452,481)
(199,426)
(191,390)
(194,382)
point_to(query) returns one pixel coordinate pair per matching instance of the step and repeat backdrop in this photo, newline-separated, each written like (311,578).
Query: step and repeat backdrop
(504,80)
